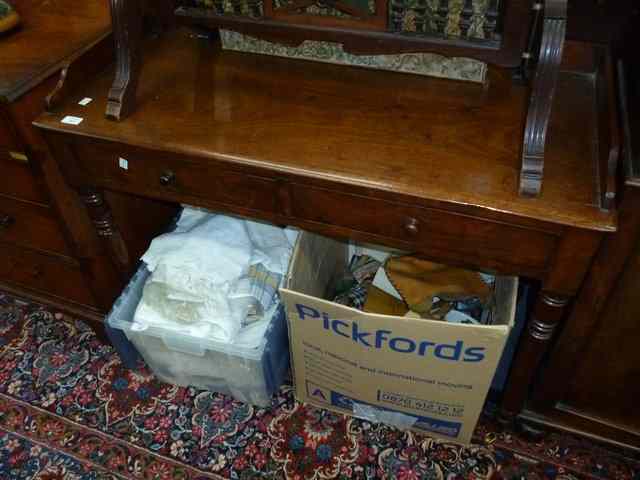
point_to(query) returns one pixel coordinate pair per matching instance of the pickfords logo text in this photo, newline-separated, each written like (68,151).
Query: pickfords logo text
(385,339)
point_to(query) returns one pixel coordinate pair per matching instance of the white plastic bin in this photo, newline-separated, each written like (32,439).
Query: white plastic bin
(249,375)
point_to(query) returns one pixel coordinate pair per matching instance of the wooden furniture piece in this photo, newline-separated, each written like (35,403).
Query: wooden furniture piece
(425,165)
(590,383)
(47,252)
(503,33)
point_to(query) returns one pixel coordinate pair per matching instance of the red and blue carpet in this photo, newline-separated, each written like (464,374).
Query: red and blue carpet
(70,411)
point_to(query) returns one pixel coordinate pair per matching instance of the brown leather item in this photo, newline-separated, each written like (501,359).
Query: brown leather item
(418,281)
(379,301)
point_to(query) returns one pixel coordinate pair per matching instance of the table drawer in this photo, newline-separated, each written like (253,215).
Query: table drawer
(17,179)
(171,177)
(425,229)
(43,273)
(30,225)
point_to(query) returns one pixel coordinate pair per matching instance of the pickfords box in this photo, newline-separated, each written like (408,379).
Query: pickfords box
(425,375)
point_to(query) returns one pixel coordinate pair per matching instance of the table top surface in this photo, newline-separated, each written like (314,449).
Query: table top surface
(51,31)
(439,141)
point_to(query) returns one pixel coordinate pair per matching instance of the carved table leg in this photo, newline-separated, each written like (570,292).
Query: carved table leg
(546,315)
(102,219)
(542,92)
(572,257)
(126,18)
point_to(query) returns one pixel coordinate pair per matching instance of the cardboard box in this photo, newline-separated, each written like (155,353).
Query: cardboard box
(426,375)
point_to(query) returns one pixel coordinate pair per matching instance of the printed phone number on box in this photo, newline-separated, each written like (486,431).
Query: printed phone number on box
(405,401)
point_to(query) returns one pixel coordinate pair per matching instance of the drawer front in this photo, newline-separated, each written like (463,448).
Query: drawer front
(431,231)
(29,225)
(172,177)
(17,179)
(43,273)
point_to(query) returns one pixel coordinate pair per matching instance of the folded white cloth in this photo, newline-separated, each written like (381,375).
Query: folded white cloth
(271,246)
(196,286)
(214,248)
(201,312)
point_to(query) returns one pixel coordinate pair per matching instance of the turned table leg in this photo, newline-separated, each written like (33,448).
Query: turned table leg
(126,18)
(547,314)
(102,218)
(572,258)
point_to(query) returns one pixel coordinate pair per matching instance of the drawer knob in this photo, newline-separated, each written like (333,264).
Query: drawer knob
(6,221)
(167,178)
(411,226)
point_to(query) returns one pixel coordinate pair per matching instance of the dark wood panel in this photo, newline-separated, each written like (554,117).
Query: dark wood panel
(25,109)
(568,421)
(44,273)
(606,380)
(140,219)
(571,260)
(50,32)
(31,225)
(17,178)
(8,138)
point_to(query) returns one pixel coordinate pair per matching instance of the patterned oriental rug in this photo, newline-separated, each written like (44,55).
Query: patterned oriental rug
(70,411)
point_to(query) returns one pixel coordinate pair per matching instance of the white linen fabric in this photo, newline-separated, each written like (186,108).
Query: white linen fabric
(198,277)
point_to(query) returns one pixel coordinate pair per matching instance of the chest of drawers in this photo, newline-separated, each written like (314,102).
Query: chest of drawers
(46,253)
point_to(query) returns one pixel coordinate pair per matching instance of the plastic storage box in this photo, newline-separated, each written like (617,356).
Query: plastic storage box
(249,375)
